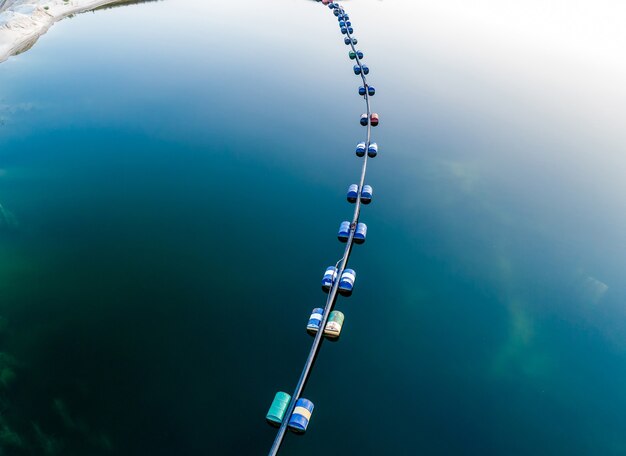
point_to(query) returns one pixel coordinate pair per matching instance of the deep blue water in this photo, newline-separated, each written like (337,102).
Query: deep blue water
(173,175)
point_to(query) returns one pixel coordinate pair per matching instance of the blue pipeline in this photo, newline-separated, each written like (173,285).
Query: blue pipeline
(343,263)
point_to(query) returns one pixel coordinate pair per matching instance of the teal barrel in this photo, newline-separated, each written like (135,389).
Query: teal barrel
(334,325)
(277,410)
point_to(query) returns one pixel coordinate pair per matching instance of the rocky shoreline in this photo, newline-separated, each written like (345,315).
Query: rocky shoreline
(22,22)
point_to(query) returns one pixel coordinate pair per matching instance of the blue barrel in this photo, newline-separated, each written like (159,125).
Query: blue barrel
(366,69)
(315,321)
(346,17)
(344,30)
(350,29)
(277,410)
(342,24)
(371,91)
(360,148)
(353,193)
(344,232)
(366,194)
(336,12)
(346,283)
(329,277)
(346,40)
(362,91)
(357,69)
(301,416)
(348,23)
(360,234)
(372,150)
(354,41)
(364,120)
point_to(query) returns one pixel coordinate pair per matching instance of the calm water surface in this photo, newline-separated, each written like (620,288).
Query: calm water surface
(172,175)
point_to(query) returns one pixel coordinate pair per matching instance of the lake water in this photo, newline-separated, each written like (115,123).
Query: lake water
(172,176)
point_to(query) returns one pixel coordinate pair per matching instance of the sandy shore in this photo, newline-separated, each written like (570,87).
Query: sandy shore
(22,22)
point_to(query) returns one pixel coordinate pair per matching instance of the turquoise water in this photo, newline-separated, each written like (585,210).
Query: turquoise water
(173,175)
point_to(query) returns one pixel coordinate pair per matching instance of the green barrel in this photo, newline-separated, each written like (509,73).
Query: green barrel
(333,327)
(352,55)
(277,410)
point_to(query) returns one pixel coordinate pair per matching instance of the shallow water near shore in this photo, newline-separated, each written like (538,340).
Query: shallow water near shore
(172,176)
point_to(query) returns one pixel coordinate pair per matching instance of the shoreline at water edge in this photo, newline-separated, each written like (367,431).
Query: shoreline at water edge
(22,22)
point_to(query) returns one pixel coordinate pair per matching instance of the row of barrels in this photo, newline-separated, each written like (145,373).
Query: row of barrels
(303,408)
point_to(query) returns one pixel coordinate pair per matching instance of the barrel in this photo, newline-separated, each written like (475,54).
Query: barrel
(372,150)
(344,30)
(357,69)
(336,12)
(363,120)
(277,410)
(342,24)
(374,119)
(301,415)
(353,55)
(360,233)
(353,193)
(350,29)
(346,39)
(315,321)
(344,231)
(334,325)
(346,283)
(329,277)
(360,147)
(366,194)
(354,41)
(349,24)
(370,90)
(366,69)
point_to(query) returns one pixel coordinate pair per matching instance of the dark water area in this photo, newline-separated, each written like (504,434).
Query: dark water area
(172,175)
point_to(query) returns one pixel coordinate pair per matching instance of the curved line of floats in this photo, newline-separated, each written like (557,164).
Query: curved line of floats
(295,410)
